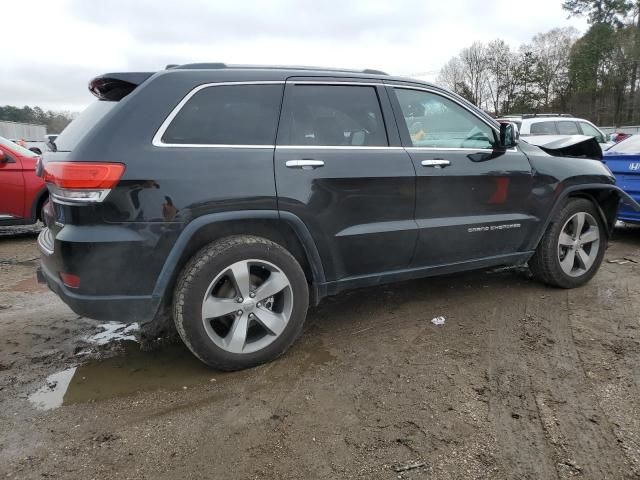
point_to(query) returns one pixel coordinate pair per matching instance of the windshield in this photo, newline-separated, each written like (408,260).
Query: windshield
(75,131)
(629,145)
(17,148)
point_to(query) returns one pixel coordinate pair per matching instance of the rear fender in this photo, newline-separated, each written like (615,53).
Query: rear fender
(170,269)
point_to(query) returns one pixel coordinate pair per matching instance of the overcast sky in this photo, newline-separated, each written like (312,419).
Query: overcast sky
(52,48)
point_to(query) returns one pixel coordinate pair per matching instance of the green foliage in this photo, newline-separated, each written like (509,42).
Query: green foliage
(612,12)
(54,121)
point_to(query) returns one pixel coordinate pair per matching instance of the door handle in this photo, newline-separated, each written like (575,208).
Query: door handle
(304,164)
(436,163)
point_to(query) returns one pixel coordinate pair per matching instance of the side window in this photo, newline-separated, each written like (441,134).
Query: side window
(434,121)
(543,128)
(332,115)
(591,131)
(228,115)
(568,128)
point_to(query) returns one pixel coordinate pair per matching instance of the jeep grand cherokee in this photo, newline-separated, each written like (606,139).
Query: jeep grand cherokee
(235,196)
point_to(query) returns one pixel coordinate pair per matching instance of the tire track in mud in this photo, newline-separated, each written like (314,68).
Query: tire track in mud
(582,441)
(513,409)
(612,363)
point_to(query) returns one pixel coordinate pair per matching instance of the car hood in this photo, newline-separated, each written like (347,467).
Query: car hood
(577,146)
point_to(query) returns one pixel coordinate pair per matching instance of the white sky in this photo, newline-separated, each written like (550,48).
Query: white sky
(61,44)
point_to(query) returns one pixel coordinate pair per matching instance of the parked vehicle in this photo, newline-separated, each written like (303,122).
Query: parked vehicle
(555,126)
(232,197)
(618,137)
(623,159)
(33,136)
(22,192)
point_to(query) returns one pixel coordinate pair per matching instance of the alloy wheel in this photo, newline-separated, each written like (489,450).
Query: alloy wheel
(247,306)
(578,244)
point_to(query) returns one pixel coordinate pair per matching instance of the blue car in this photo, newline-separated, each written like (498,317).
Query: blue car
(623,159)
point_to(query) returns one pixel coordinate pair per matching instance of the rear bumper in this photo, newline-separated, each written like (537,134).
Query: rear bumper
(125,309)
(630,209)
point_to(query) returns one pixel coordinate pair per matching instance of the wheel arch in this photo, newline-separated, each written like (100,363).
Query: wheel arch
(283,228)
(605,197)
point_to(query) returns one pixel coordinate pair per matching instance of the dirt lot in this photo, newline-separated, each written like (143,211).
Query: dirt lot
(522,382)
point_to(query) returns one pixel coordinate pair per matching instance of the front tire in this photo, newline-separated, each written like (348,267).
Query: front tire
(571,250)
(240,301)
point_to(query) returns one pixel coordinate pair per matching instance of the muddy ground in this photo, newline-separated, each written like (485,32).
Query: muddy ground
(521,382)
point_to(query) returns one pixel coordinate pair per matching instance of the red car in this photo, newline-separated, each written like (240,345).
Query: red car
(22,192)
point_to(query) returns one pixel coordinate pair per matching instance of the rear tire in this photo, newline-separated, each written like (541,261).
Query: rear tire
(571,250)
(240,301)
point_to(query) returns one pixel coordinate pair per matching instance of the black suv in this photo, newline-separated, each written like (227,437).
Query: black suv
(235,196)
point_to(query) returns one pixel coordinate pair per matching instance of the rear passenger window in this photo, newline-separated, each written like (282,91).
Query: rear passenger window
(332,115)
(568,128)
(543,128)
(227,115)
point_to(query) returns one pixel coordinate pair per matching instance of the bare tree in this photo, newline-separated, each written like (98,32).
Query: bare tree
(474,61)
(551,51)
(452,76)
(499,75)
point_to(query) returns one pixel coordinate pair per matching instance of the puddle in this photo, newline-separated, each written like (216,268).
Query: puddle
(170,368)
(51,395)
(135,371)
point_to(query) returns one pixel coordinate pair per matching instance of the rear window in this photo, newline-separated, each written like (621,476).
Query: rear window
(630,145)
(227,115)
(75,131)
(543,128)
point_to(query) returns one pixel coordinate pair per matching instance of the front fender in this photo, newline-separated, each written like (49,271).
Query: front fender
(590,191)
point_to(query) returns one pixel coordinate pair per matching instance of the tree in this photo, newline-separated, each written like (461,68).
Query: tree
(54,121)
(526,95)
(452,76)
(474,62)
(500,61)
(611,12)
(551,52)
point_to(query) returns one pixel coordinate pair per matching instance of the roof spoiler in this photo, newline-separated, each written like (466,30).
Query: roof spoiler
(116,86)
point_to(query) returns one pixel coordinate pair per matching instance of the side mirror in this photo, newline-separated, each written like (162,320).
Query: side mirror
(509,135)
(3,157)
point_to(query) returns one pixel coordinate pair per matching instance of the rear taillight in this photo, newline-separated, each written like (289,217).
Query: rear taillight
(70,280)
(81,182)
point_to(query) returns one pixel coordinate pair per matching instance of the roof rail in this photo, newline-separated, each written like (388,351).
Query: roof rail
(220,65)
(543,115)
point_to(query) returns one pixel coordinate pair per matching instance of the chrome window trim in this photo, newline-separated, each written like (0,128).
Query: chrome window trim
(157,138)
(452,149)
(335,147)
(334,83)
(461,149)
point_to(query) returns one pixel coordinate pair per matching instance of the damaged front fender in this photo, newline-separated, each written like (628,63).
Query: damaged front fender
(574,146)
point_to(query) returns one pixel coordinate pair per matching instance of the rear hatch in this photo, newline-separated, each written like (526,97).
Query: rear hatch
(109,89)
